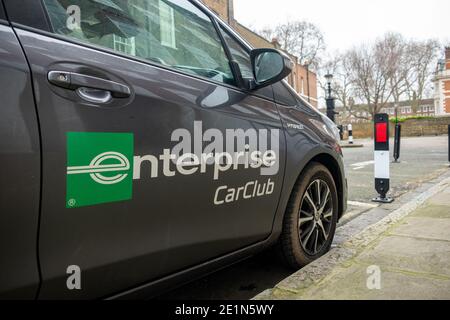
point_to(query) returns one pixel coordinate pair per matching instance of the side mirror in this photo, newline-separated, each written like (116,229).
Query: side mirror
(269,66)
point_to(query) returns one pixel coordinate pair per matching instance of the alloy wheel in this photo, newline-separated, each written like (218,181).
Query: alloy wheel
(315,217)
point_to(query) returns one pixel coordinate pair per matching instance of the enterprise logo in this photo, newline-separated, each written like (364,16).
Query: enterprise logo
(97,168)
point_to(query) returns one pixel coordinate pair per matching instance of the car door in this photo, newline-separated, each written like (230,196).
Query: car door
(128,93)
(19,171)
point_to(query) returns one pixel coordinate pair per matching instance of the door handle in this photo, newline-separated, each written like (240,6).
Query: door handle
(75,81)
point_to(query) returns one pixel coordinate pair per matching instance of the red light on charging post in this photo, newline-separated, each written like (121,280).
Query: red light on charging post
(381,132)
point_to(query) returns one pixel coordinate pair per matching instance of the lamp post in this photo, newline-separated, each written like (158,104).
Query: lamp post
(330,99)
(396,113)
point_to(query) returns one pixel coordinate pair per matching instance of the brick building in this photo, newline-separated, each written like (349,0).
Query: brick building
(425,108)
(301,79)
(442,85)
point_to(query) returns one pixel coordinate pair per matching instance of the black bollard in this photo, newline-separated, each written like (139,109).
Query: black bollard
(397,140)
(449,142)
(341,132)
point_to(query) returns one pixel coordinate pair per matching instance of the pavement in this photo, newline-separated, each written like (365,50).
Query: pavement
(405,255)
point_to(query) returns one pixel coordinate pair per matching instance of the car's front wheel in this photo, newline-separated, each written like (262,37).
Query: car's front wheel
(311,217)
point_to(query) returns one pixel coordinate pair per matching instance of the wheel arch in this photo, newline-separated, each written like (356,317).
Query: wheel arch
(328,159)
(332,165)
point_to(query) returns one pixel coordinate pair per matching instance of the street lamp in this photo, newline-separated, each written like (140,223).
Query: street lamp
(330,99)
(396,113)
(329,78)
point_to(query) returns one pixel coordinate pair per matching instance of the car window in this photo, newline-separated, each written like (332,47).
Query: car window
(2,14)
(239,54)
(173,33)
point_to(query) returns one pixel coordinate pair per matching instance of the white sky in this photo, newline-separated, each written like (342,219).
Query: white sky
(346,23)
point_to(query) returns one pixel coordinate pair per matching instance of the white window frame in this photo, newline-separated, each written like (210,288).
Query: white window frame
(163,25)
(127,42)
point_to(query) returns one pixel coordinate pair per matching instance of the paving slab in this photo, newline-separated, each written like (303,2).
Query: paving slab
(441,199)
(351,283)
(410,254)
(423,227)
(433,211)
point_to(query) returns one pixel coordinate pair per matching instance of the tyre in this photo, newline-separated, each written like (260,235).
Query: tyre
(311,216)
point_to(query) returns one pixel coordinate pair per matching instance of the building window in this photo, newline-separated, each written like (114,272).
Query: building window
(125,45)
(294,81)
(167,25)
(429,109)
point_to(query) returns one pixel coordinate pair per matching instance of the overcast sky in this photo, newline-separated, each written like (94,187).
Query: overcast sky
(345,23)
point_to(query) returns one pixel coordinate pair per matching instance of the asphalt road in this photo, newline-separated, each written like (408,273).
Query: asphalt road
(422,159)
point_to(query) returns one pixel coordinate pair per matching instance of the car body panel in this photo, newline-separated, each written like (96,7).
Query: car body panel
(167,225)
(2,13)
(20,173)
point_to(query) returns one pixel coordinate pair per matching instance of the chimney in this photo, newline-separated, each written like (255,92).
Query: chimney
(275,43)
(447,53)
(230,9)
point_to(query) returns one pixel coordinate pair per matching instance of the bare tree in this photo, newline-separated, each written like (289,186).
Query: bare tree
(392,69)
(342,85)
(421,58)
(396,47)
(378,72)
(303,39)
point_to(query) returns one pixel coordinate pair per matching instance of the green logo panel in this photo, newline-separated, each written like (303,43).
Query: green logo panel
(99,168)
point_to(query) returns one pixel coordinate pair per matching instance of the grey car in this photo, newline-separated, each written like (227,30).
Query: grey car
(145,144)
